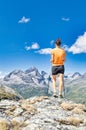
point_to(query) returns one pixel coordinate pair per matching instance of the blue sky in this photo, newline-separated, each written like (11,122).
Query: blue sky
(28,29)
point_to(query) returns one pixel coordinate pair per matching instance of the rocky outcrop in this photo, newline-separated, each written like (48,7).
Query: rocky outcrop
(42,113)
(8,93)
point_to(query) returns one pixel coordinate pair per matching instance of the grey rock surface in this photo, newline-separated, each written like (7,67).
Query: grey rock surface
(42,113)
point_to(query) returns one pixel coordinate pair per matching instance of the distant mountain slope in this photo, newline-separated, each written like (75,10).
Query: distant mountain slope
(76,88)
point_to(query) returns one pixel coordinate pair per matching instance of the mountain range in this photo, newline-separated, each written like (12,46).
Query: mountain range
(28,83)
(31,82)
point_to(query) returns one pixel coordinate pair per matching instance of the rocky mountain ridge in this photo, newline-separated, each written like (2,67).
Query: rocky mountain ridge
(30,75)
(19,75)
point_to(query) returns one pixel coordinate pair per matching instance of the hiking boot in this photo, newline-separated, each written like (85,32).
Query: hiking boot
(55,95)
(60,96)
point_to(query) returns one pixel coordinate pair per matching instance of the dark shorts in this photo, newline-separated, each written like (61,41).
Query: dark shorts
(57,69)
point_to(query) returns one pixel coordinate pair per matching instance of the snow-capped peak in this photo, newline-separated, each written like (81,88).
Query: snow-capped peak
(76,75)
(31,69)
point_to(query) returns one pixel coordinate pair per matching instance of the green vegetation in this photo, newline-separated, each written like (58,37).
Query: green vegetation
(77,94)
(29,91)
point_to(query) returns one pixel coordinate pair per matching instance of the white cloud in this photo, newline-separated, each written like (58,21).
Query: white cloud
(65,19)
(65,47)
(27,48)
(24,20)
(79,46)
(34,45)
(44,51)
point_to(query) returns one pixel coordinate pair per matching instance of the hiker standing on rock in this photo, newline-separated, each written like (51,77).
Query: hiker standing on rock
(57,59)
